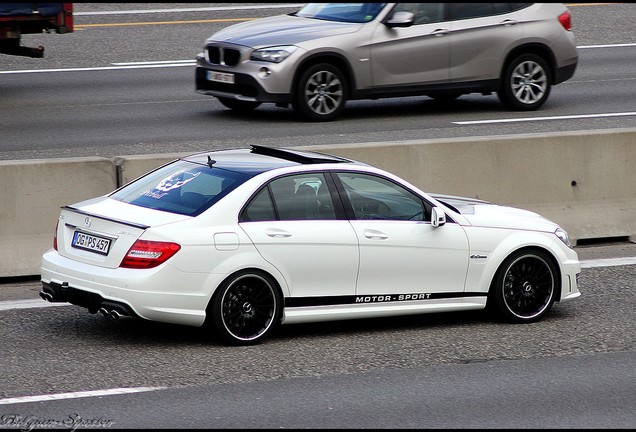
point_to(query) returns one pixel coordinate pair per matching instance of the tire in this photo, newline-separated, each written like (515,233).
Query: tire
(245,308)
(524,287)
(526,83)
(238,105)
(321,93)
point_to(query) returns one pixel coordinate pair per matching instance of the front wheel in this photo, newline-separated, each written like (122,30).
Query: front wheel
(321,93)
(525,287)
(245,308)
(526,83)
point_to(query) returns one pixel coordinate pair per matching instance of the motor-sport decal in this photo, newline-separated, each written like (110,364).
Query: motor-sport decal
(374,298)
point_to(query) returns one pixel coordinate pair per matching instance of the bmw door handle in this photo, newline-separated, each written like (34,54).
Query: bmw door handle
(508,22)
(375,235)
(440,32)
(277,233)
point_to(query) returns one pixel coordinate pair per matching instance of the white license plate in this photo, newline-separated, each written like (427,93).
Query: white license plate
(89,242)
(221,77)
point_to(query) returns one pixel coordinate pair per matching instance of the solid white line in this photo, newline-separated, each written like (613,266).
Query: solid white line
(607,46)
(202,9)
(155,62)
(28,304)
(142,66)
(608,262)
(76,395)
(527,119)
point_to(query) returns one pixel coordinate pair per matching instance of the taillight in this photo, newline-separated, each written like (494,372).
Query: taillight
(145,254)
(566,20)
(55,235)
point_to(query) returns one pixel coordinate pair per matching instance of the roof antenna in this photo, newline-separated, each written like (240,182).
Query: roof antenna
(211,161)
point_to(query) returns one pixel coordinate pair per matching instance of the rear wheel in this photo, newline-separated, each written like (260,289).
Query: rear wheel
(321,93)
(245,308)
(238,105)
(524,287)
(526,83)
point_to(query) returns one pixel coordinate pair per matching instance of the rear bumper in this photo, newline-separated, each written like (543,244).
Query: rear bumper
(170,295)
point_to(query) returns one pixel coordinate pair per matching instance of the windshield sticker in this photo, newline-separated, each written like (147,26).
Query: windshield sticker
(174,181)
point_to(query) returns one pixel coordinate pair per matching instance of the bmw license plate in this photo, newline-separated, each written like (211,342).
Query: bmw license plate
(89,242)
(221,77)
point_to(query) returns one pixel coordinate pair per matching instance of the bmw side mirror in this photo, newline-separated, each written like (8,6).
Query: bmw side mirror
(400,19)
(438,217)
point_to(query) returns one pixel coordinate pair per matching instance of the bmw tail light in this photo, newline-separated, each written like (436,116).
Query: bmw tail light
(566,20)
(145,254)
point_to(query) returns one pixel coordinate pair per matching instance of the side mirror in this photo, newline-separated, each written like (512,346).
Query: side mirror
(438,217)
(400,19)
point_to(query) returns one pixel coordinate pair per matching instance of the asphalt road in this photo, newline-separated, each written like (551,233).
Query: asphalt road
(123,84)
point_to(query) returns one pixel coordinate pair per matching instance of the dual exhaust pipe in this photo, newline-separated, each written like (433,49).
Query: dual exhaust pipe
(108,313)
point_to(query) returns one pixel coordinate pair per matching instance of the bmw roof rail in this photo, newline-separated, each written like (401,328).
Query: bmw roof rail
(303,157)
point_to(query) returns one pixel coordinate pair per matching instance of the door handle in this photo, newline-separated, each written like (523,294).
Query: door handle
(440,32)
(277,233)
(373,234)
(508,22)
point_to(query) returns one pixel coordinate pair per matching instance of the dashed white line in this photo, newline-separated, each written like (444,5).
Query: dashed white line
(528,119)
(76,395)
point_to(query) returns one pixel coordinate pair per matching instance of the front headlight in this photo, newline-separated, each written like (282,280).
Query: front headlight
(563,235)
(273,54)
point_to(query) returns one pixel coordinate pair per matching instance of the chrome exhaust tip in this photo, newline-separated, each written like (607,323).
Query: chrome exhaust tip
(104,312)
(115,315)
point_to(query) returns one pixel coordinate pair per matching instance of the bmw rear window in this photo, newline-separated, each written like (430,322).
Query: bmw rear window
(181,187)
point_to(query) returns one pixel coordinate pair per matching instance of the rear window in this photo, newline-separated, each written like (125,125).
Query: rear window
(181,187)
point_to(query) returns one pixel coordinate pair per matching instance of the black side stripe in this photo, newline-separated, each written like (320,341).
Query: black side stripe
(375,298)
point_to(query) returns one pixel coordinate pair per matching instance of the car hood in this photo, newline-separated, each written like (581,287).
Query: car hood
(486,214)
(281,30)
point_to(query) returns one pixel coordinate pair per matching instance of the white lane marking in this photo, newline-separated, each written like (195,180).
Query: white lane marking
(155,62)
(527,119)
(608,262)
(28,304)
(201,9)
(76,395)
(607,46)
(132,66)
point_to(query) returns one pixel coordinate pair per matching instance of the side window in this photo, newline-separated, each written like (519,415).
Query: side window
(297,197)
(424,12)
(459,11)
(373,197)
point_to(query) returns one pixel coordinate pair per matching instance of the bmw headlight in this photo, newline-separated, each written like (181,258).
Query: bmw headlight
(563,235)
(273,54)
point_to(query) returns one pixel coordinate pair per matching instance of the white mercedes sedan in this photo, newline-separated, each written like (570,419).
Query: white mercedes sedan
(241,241)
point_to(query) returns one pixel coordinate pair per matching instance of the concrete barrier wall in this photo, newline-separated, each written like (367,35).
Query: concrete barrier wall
(31,195)
(585,181)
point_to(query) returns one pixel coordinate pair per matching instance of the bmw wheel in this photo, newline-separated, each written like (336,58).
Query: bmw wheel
(525,286)
(245,308)
(238,105)
(321,93)
(526,83)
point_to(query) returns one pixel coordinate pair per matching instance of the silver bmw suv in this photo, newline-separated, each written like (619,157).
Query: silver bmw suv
(327,53)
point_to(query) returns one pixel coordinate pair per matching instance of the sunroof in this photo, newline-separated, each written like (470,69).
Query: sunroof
(303,157)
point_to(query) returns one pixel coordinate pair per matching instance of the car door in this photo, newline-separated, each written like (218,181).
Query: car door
(294,224)
(402,256)
(481,35)
(418,54)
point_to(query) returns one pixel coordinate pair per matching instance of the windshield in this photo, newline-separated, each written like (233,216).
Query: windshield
(342,12)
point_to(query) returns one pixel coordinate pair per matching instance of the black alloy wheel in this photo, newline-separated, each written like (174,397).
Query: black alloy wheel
(525,286)
(245,308)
